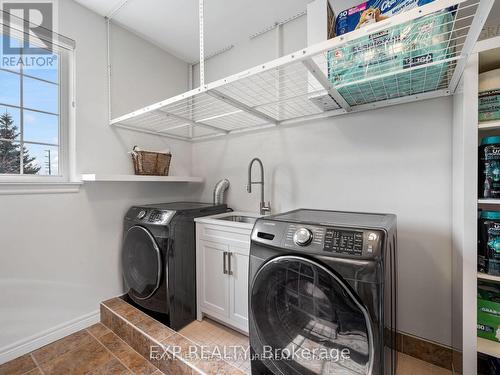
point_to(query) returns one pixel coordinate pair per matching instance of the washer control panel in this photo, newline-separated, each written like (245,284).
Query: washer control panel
(344,241)
(348,242)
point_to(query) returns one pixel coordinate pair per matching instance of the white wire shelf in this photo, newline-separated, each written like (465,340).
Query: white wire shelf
(92,177)
(416,55)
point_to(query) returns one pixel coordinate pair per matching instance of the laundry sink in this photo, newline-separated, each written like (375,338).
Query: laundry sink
(239,219)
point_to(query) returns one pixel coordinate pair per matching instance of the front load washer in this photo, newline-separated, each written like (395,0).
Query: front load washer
(159,258)
(322,293)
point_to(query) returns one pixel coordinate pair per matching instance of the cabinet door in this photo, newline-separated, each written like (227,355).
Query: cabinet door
(214,287)
(238,289)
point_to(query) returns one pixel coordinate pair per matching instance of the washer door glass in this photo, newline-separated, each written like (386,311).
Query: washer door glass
(305,315)
(141,263)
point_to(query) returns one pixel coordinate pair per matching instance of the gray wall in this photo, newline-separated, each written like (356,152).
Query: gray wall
(60,253)
(396,160)
(393,160)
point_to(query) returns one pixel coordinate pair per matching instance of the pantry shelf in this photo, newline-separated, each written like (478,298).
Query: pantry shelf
(135,178)
(415,55)
(488,347)
(489,201)
(484,276)
(490,125)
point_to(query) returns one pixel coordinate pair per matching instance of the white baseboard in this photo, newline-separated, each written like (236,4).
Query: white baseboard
(21,347)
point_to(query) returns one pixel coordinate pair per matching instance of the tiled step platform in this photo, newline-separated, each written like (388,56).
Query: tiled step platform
(92,351)
(170,351)
(125,349)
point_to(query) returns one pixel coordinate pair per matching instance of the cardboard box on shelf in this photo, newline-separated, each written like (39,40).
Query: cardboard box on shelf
(372,11)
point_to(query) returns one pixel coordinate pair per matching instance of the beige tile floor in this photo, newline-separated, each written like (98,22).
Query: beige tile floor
(93,351)
(98,351)
(211,333)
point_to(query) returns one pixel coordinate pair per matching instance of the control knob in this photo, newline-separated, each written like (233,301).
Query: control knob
(141,214)
(302,237)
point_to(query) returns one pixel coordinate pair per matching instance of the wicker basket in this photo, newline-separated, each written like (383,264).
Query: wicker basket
(151,163)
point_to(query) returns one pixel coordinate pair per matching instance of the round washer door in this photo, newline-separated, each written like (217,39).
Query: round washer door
(305,315)
(141,261)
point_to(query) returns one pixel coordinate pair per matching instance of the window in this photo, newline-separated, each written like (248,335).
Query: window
(37,112)
(30,118)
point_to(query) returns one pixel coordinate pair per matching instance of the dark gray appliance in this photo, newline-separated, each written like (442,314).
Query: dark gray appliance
(321,282)
(159,258)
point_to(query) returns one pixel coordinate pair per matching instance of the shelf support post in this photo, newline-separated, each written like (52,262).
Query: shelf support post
(202,42)
(108,66)
(116,8)
(108,18)
(316,72)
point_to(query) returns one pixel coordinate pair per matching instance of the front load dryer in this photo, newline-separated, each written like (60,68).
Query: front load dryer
(159,258)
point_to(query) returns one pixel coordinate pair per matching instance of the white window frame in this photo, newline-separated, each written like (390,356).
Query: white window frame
(66,181)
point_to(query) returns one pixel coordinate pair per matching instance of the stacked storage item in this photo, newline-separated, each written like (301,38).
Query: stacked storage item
(489,96)
(372,11)
(488,311)
(489,221)
(489,243)
(384,65)
(489,168)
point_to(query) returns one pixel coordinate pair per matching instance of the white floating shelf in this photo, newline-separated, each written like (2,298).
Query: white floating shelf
(488,347)
(489,125)
(489,201)
(484,276)
(91,177)
(329,78)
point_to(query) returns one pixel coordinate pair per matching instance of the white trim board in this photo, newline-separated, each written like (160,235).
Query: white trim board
(18,187)
(487,44)
(27,345)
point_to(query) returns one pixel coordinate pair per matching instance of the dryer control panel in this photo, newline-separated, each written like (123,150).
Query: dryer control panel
(149,216)
(336,240)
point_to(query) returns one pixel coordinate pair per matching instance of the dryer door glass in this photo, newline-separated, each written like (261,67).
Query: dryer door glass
(141,263)
(306,317)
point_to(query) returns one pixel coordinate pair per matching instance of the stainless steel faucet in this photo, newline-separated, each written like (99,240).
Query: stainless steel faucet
(265,208)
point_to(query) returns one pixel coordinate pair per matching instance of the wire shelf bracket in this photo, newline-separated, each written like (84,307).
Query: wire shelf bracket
(315,70)
(482,13)
(242,106)
(416,55)
(188,122)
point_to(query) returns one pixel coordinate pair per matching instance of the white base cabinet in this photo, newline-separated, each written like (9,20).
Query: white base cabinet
(222,259)
(214,281)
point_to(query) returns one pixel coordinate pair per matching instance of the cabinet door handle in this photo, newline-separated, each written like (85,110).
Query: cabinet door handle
(224,262)
(229,257)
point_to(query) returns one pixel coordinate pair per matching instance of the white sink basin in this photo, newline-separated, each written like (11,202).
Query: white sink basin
(239,219)
(236,218)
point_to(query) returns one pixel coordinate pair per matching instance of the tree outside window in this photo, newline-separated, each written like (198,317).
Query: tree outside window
(29,120)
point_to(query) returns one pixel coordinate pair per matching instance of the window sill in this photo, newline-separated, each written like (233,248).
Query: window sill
(35,187)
